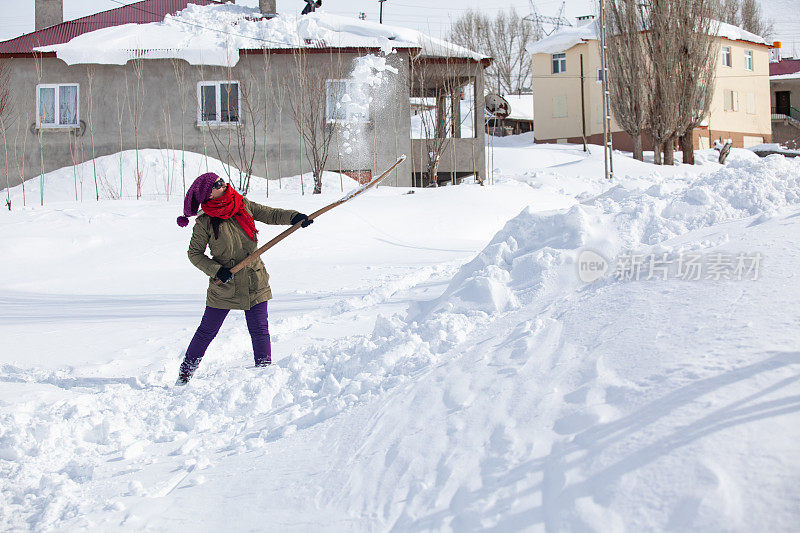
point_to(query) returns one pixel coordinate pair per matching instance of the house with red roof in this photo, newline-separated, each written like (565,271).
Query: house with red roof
(784,82)
(237,84)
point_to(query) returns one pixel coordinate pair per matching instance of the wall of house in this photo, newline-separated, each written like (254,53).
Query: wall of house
(548,86)
(743,127)
(110,95)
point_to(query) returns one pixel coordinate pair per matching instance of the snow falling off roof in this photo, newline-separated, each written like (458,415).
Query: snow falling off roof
(566,38)
(214,34)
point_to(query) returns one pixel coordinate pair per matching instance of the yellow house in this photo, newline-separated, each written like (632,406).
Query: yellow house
(567,93)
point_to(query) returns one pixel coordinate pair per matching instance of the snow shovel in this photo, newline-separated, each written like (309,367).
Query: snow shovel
(252,257)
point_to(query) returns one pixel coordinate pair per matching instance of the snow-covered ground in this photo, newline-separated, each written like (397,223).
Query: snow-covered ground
(440,365)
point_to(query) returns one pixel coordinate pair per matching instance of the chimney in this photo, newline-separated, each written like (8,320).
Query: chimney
(49,13)
(268,7)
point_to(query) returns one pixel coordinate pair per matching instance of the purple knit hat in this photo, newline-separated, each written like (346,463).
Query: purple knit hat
(198,192)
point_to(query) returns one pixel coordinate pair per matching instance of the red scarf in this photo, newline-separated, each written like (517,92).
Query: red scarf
(231,204)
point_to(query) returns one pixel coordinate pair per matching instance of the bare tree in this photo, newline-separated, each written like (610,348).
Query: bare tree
(729,11)
(90,76)
(120,116)
(746,14)
(315,95)
(695,25)
(236,144)
(627,64)
(179,67)
(5,112)
(135,109)
(662,45)
(754,21)
(437,125)
(504,38)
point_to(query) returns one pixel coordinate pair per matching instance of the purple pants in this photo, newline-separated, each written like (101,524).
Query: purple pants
(257,325)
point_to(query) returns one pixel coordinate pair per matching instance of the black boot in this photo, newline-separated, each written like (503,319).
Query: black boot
(262,364)
(185,374)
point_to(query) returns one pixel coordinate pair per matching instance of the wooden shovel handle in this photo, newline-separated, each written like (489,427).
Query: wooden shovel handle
(278,238)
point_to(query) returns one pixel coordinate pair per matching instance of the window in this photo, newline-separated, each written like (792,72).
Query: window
(57,105)
(559,63)
(750,102)
(559,106)
(727,59)
(599,75)
(217,102)
(731,101)
(346,101)
(748,60)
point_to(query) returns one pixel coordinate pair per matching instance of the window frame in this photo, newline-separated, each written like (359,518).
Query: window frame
(748,59)
(57,124)
(727,54)
(561,61)
(347,119)
(599,78)
(217,84)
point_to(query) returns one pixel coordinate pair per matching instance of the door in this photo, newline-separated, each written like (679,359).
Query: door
(783,102)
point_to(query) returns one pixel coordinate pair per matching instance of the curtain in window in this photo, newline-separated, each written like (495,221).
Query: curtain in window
(68,105)
(47,105)
(208,103)
(229,102)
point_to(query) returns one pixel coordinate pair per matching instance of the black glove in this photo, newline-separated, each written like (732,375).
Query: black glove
(224,274)
(300,216)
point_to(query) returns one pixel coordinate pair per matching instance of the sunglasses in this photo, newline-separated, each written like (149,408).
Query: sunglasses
(219,184)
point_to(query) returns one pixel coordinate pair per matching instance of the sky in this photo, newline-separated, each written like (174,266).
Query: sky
(16,16)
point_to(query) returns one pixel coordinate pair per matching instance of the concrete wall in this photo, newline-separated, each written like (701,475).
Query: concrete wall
(108,100)
(743,127)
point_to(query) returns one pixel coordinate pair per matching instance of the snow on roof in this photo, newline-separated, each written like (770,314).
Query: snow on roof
(521,106)
(735,33)
(566,38)
(793,76)
(214,34)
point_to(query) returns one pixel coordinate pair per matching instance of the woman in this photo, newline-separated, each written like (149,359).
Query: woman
(227,226)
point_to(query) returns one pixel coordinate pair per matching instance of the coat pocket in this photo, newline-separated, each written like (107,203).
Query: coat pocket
(225,291)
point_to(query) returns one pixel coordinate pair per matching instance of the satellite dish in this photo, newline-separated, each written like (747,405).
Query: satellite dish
(497,105)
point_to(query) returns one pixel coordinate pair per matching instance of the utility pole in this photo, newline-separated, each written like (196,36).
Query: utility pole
(381,15)
(583,108)
(608,146)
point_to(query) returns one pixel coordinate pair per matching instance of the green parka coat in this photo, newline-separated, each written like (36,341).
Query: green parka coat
(249,286)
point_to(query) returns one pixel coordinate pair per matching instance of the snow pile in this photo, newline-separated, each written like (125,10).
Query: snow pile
(164,174)
(534,256)
(522,261)
(214,35)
